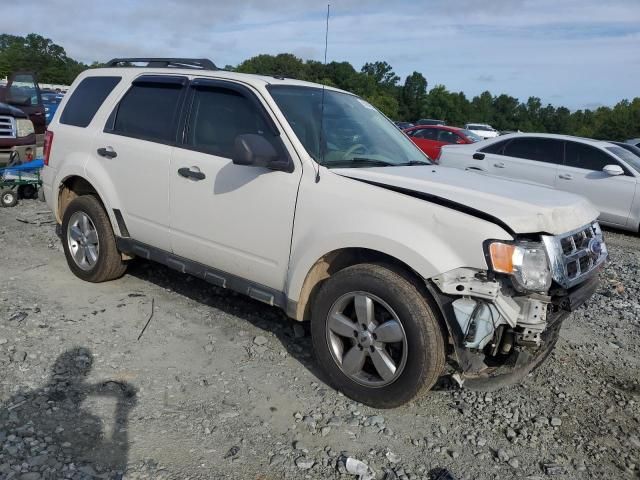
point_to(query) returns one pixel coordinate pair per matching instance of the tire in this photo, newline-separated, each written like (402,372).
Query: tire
(27,191)
(8,197)
(418,358)
(92,242)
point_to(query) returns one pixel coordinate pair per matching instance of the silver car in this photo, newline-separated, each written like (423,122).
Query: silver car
(607,174)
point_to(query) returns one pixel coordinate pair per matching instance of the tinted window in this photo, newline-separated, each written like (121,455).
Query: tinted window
(629,154)
(447,136)
(149,111)
(585,156)
(86,100)
(219,115)
(540,149)
(495,147)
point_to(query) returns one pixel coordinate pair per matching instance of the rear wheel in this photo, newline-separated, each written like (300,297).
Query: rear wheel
(8,197)
(89,243)
(375,336)
(27,191)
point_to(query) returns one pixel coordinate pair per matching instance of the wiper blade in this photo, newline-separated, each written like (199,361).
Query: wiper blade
(371,161)
(413,162)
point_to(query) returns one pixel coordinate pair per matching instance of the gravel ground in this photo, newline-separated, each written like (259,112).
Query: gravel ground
(220,386)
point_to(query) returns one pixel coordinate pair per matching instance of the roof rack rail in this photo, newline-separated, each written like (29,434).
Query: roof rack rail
(194,63)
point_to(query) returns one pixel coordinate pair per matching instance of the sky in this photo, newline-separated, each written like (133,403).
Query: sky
(576,53)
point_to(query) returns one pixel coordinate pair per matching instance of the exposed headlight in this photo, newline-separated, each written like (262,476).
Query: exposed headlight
(526,262)
(24,127)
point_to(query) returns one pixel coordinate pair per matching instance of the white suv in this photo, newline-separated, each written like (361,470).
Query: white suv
(307,198)
(606,174)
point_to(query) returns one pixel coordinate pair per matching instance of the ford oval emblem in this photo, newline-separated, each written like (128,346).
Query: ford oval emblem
(595,247)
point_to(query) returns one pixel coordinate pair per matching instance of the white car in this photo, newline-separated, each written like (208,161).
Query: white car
(482,130)
(308,199)
(607,174)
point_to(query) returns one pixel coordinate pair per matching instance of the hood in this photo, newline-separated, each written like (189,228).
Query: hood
(521,207)
(11,111)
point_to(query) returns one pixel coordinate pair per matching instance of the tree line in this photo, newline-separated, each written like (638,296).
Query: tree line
(406,100)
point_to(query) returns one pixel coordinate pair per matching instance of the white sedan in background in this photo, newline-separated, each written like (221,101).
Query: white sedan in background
(606,174)
(482,130)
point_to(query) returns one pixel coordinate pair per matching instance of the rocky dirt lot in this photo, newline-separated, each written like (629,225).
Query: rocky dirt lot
(220,386)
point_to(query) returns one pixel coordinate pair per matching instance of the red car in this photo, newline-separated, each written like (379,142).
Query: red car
(431,138)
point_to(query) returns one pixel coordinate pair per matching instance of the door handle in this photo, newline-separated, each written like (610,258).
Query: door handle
(499,165)
(187,172)
(107,152)
(565,176)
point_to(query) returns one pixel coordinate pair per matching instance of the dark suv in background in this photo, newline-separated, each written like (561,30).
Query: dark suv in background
(22,119)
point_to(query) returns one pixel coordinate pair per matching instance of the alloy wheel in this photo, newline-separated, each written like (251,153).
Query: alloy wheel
(366,339)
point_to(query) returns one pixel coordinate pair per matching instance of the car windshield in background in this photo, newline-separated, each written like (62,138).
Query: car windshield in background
(352,133)
(471,136)
(51,98)
(482,128)
(627,156)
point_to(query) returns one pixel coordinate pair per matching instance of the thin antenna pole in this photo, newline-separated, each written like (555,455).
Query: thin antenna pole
(326,45)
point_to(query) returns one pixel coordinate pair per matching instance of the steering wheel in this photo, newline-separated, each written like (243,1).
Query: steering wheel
(353,150)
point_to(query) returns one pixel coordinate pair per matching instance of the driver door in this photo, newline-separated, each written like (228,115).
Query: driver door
(237,219)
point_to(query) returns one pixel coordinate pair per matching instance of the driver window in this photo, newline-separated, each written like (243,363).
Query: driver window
(218,116)
(447,137)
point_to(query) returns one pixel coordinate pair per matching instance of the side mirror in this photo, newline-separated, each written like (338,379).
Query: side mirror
(254,150)
(613,170)
(478,156)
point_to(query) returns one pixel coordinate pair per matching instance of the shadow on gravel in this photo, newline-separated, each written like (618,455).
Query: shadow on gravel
(47,430)
(269,319)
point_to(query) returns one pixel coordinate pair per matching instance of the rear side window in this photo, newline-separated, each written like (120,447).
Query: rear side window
(86,100)
(218,115)
(540,149)
(579,155)
(496,148)
(447,137)
(427,134)
(150,110)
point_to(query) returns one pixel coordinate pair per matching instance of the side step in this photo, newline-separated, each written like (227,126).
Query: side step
(211,275)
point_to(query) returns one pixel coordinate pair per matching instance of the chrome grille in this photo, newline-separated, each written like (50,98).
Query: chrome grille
(576,256)
(7,127)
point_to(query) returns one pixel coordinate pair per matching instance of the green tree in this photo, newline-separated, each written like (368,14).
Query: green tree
(413,96)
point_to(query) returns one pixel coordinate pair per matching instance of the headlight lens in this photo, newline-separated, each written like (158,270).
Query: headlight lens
(24,127)
(526,262)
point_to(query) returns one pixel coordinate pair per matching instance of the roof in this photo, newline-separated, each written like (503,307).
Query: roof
(435,127)
(590,141)
(247,78)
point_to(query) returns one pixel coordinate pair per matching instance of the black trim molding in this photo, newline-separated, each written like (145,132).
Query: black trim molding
(211,275)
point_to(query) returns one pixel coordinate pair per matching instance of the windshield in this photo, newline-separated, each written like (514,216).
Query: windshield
(629,157)
(471,136)
(353,133)
(51,98)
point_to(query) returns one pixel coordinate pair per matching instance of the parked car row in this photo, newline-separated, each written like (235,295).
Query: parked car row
(606,173)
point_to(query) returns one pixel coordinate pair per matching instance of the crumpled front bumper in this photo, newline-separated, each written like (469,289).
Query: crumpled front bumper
(478,370)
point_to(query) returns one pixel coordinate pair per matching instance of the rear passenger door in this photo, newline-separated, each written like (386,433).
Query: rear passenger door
(528,159)
(237,219)
(135,150)
(582,174)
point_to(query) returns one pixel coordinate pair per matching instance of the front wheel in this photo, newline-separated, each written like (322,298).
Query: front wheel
(375,336)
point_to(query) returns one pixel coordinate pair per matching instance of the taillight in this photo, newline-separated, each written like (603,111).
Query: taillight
(48,141)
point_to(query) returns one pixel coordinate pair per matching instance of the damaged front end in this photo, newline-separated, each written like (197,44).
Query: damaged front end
(505,321)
